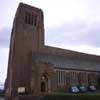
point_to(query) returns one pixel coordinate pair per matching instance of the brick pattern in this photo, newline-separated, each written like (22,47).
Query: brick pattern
(28,71)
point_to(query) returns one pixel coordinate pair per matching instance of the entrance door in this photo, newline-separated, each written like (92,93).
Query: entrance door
(44,84)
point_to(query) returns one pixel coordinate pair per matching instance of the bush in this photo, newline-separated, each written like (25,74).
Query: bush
(66,96)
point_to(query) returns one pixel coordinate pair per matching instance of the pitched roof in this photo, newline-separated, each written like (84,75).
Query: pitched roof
(69,53)
(65,62)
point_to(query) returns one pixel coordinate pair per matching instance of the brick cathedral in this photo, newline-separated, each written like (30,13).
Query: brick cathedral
(34,68)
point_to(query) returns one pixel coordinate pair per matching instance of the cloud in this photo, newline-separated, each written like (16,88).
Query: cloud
(3,63)
(74,33)
(5,37)
(4,50)
(92,37)
(71,24)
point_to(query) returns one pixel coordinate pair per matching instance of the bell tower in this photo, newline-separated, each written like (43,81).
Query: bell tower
(27,37)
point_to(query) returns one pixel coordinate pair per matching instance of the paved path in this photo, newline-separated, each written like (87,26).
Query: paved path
(1,98)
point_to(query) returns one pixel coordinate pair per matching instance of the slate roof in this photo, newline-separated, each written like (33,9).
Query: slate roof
(69,53)
(67,63)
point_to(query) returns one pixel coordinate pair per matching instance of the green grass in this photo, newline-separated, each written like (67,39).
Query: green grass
(70,96)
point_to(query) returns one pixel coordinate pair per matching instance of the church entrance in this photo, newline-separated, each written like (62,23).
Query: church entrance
(44,84)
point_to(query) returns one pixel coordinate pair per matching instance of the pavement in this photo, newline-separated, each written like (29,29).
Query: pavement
(2,98)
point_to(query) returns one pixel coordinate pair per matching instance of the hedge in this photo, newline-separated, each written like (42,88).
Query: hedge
(66,96)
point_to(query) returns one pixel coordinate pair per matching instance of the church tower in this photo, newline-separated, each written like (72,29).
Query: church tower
(27,37)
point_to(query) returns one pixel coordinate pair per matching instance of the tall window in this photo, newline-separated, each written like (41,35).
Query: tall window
(30,19)
(61,77)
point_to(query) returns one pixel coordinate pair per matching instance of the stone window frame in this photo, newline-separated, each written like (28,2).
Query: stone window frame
(61,77)
(30,19)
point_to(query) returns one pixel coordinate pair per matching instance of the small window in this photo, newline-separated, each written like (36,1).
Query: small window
(30,19)
(26,18)
(35,20)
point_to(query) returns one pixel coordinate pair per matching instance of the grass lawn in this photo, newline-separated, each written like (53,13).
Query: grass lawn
(71,96)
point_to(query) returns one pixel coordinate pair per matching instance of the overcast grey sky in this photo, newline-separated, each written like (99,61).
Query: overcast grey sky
(70,24)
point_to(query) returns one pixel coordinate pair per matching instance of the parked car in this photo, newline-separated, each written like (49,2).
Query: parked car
(82,89)
(73,89)
(92,88)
